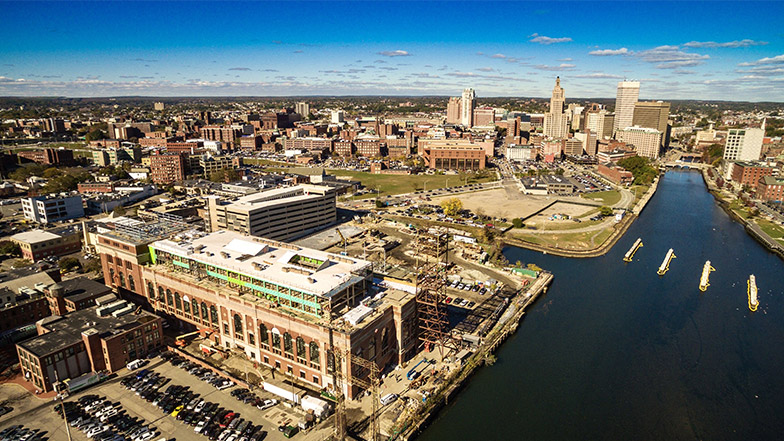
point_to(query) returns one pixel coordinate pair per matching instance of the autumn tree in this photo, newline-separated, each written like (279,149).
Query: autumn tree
(452,206)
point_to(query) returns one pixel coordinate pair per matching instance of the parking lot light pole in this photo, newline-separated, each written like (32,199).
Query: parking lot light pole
(62,405)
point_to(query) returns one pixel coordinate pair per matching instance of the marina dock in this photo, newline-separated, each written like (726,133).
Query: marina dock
(752,292)
(706,270)
(630,254)
(665,266)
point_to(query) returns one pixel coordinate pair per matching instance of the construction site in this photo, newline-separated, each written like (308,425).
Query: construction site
(413,313)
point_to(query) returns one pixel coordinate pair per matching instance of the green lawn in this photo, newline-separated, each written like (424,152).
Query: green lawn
(397,184)
(771,229)
(257,161)
(611,197)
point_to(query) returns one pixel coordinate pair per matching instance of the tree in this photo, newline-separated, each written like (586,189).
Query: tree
(69,264)
(517,222)
(92,265)
(119,210)
(10,248)
(605,211)
(452,206)
(380,203)
(95,135)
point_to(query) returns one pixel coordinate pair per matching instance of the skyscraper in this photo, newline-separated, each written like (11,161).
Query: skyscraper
(555,123)
(303,109)
(653,115)
(743,144)
(453,110)
(467,107)
(628,92)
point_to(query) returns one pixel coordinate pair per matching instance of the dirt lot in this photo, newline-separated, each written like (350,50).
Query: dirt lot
(33,412)
(496,203)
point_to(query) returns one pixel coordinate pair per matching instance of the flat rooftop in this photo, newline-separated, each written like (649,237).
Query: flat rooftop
(270,198)
(34,236)
(67,331)
(305,269)
(80,288)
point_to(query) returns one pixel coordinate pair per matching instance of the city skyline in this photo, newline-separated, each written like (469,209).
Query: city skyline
(676,50)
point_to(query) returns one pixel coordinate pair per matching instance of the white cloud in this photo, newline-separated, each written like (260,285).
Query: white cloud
(485,69)
(560,67)
(397,53)
(599,75)
(729,44)
(778,59)
(671,57)
(609,52)
(498,56)
(541,39)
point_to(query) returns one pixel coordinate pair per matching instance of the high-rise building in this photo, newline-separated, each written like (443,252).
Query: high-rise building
(467,104)
(337,117)
(626,98)
(484,116)
(645,141)
(302,108)
(743,144)
(453,110)
(600,123)
(653,115)
(555,121)
(158,106)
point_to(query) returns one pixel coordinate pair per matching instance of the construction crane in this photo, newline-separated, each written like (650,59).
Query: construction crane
(342,238)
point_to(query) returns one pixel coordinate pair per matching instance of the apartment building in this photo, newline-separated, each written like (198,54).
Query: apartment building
(52,208)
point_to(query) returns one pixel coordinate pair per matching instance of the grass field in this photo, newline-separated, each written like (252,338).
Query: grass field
(567,241)
(397,184)
(772,230)
(611,197)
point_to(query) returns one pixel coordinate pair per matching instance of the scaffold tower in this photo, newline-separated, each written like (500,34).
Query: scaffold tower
(433,260)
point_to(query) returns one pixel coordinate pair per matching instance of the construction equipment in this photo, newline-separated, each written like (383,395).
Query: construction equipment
(371,383)
(180,339)
(342,238)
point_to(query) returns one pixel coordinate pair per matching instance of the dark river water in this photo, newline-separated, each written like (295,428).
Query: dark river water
(614,351)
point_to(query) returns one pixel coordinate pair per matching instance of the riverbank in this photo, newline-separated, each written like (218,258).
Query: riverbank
(506,326)
(619,230)
(751,227)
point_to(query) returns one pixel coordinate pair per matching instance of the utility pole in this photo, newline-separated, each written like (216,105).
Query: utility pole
(62,404)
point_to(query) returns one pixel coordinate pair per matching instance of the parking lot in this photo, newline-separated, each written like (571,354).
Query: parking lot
(35,414)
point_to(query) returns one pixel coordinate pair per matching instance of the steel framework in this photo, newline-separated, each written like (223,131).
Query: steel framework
(433,247)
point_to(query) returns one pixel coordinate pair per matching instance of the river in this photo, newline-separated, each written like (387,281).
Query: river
(614,351)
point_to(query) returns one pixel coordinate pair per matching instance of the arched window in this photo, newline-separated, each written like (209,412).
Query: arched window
(237,324)
(131,284)
(276,340)
(161,297)
(186,305)
(214,314)
(263,337)
(122,279)
(330,361)
(150,290)
(169,298)
(204,314)
(301,352)
(287,346)
(177,301)
(195,304)
(314,353)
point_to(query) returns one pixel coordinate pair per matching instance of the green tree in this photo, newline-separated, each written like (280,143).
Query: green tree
(95,135)
(605,211)
(517,222)
(69,264)
(10,248)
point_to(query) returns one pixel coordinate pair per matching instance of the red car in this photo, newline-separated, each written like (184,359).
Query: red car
(227,419)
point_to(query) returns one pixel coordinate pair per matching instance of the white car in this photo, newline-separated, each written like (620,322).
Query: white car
(266,404)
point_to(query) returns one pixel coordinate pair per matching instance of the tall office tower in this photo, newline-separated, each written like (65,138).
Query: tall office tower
(653,115)
(575,113)
(453,110)
(646,142)
(467,107)
(303,109)
(743,144)
(628,92)
(555,123)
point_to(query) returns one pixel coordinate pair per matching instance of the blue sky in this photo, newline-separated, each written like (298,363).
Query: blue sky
(679,50)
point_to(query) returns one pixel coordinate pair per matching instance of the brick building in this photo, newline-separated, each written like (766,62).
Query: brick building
(282,305)
(39,244)
(771,189)
(452,154)
(614,173)
(48,156)
(167,168)
(749,173)
(74,295)
(104,337)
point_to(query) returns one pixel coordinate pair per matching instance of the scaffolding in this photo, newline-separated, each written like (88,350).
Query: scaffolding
(432,247)
(159,226)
